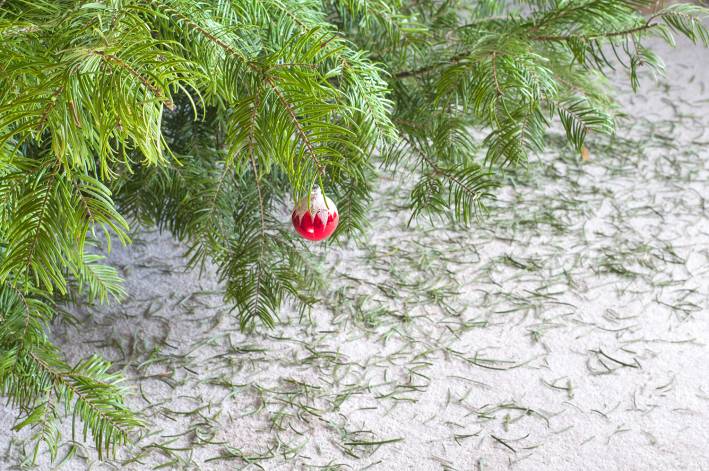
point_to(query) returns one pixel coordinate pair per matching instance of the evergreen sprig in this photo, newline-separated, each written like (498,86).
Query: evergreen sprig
(209,118)
(38,382)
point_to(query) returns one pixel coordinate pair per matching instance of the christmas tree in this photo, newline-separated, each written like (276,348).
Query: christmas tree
(210,119)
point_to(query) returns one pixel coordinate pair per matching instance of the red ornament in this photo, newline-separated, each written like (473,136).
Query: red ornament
(318,220)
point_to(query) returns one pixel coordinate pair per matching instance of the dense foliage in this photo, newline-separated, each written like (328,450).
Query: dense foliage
(208,119)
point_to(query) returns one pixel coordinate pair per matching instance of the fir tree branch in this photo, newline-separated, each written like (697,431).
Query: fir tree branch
(262,222)
(296,123)
(59,379)
(50,106)
(593,37)
(110,58)
(39,223)
(429,68)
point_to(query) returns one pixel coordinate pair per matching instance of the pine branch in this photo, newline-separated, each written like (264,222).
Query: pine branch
(429,68)
(112,59)
(296,123)
(32,253)
(579,118)
(261,213)
(50,106)
(34,378)
(594,37)
(470,186)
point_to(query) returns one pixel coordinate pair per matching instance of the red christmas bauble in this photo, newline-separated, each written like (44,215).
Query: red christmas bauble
(317,220)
